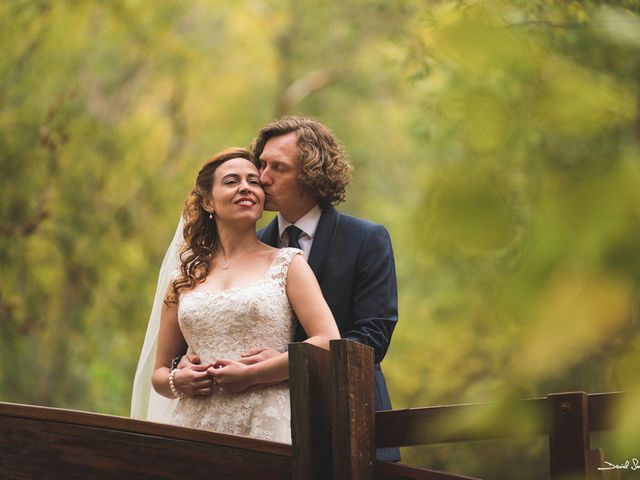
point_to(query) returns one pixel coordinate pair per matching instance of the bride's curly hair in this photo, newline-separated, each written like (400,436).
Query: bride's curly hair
(200,232)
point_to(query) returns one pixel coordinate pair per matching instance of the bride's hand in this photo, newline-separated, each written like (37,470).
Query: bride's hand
(231,376)
(194,381)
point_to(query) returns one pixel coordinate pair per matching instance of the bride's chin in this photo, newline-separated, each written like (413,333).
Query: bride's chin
(247,218)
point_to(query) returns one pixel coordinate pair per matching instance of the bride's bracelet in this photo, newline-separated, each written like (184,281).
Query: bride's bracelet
(172,385)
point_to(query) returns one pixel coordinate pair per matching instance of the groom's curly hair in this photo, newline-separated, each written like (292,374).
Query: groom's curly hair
(200,232)
(325,170)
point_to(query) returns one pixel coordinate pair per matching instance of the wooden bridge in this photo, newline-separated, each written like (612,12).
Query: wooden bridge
(335,431)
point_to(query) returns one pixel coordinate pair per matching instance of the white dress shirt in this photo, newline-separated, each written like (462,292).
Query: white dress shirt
(308,223)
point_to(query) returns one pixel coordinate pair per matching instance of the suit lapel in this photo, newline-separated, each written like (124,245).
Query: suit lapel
(327,227)
(323,239)
(269,234)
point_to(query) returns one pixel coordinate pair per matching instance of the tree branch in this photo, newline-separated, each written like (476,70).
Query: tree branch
(306,85)
(27,227)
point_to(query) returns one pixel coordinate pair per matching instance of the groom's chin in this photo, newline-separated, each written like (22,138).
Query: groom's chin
(269,207)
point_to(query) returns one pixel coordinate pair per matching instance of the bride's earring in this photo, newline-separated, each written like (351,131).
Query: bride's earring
(211,216)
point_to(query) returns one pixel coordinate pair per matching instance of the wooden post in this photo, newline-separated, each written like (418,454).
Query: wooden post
(309,381)
(569,449)
(353,410)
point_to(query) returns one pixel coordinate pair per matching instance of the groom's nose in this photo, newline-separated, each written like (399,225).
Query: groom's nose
(265,177)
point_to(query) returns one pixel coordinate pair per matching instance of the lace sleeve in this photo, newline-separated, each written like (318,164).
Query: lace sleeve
(280,267)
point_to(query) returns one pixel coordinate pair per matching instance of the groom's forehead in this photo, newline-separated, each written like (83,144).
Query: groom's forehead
(281,145)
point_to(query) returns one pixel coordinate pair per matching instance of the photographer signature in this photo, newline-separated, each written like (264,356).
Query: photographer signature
(633,464)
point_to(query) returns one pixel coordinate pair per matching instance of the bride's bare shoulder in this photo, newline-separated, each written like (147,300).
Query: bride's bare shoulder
(268,250)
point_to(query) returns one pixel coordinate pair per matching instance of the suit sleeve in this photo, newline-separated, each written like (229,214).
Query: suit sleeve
(375,304)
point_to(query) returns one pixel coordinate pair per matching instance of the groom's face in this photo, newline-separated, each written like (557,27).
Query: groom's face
(279,168)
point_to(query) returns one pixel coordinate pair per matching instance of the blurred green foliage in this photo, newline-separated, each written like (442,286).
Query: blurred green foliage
(497,140)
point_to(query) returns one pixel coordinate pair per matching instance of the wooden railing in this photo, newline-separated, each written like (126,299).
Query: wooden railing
(566,418)
(335,432)
(50,443)
(334,423)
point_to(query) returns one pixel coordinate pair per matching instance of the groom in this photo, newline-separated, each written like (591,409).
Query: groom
(304,172)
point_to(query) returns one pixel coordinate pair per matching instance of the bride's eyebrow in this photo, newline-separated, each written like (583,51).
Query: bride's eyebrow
(231,175)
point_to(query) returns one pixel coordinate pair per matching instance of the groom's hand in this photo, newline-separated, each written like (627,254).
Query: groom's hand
(257,355)
(188,360)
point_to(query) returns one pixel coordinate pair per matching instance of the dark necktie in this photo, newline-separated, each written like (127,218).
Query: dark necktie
(293,233)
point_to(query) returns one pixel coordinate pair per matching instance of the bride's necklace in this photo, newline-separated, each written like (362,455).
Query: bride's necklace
(226,265)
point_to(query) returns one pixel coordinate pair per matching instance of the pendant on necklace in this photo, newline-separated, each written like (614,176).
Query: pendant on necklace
(225,267)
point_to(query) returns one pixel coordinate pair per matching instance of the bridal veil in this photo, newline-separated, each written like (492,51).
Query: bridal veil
(146,404)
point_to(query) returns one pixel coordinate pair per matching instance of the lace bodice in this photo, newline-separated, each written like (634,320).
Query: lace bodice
(225,324)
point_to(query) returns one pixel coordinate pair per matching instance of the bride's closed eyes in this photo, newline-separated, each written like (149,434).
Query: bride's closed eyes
(232,179)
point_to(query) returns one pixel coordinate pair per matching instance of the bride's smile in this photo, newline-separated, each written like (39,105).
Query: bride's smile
(237,191)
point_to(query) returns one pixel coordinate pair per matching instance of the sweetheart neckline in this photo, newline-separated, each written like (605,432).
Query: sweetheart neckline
(261,278)
(222,292)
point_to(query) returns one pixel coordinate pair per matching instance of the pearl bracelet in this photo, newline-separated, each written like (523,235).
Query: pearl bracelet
(172,386)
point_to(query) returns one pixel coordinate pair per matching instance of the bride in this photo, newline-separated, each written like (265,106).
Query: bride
(231,293)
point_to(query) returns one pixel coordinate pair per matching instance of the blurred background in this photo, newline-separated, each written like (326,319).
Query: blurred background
(497,140)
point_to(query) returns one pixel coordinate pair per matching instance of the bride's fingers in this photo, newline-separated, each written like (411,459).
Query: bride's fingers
(193,375)
(214,375)
(221,362)
(199,368)
(202,392)
(219,377)
(204,382)
(191,379)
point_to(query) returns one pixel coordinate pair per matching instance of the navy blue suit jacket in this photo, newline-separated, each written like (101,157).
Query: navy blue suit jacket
(353,262)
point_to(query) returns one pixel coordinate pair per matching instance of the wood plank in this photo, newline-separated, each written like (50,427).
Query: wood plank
(442,424)
(309,380)
(603,410)
(569,449)
(127,424)
(59,448)
(458,423)
(397,471)
(353,410)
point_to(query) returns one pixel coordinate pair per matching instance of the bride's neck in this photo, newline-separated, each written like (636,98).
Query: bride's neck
(232,242)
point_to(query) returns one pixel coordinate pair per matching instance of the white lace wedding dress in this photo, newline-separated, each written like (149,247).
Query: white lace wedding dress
(226,323)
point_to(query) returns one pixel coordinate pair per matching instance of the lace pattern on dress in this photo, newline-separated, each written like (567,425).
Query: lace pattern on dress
(225,324)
